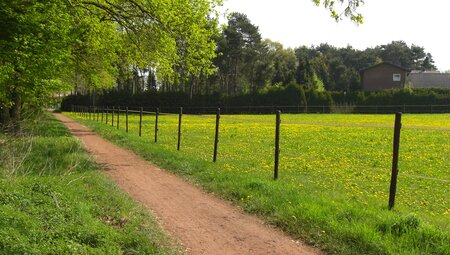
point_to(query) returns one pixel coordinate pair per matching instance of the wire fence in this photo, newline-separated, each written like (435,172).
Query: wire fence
(112,115)
(338,108)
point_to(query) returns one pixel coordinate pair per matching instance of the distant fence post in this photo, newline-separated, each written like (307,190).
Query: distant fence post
(216,137)
(112,116)
(179,128)
(140,121)
(118,117)
(393,188)
(277,145)
(126,119)
(156,125)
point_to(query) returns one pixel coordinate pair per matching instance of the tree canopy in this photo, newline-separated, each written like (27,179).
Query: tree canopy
(48,44)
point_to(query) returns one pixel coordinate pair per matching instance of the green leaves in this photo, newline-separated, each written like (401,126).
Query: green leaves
(166,36)
(350,9)
(48,44)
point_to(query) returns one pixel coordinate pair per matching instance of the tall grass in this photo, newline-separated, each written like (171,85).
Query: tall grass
(55,200)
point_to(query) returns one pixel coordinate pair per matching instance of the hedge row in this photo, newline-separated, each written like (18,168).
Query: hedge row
(291,99)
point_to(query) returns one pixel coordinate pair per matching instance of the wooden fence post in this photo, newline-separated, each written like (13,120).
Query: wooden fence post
(126,120)
(179,128)
(393,188)
(140,121)
(277,144)
(216,137)
(118,117)
(156,124)
(106,115)
(112,116)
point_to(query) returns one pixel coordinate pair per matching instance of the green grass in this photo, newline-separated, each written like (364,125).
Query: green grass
(55,200)
(334,175)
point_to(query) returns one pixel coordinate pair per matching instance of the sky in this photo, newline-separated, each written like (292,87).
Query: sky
(294,23)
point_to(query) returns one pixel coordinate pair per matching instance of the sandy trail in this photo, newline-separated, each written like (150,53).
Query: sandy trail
(202,223)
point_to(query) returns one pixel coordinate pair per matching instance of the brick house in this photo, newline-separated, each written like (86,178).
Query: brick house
(383,76)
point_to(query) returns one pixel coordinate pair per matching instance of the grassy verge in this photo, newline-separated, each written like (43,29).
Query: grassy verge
(54,200)
(331,205)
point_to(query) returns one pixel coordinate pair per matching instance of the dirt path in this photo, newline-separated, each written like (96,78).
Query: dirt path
(202,223)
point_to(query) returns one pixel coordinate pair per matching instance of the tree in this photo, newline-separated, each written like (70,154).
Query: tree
(399,53)
(34,50)
(284,63)
(239,48)
(47,44)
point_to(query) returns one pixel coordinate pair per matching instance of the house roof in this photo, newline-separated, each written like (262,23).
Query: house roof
(384,63)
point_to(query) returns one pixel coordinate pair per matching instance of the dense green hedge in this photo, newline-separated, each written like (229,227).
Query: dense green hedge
(291,99)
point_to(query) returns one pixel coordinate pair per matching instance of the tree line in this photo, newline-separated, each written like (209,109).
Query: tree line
(49,47)
(247,64)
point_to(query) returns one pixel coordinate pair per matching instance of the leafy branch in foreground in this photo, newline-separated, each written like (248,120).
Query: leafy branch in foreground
(349,10)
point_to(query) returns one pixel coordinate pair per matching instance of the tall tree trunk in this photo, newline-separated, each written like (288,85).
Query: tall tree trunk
(5,119)
(15,112)
(235,78)
(191,89)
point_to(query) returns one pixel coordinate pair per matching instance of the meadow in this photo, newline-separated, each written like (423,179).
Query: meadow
(334,173)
